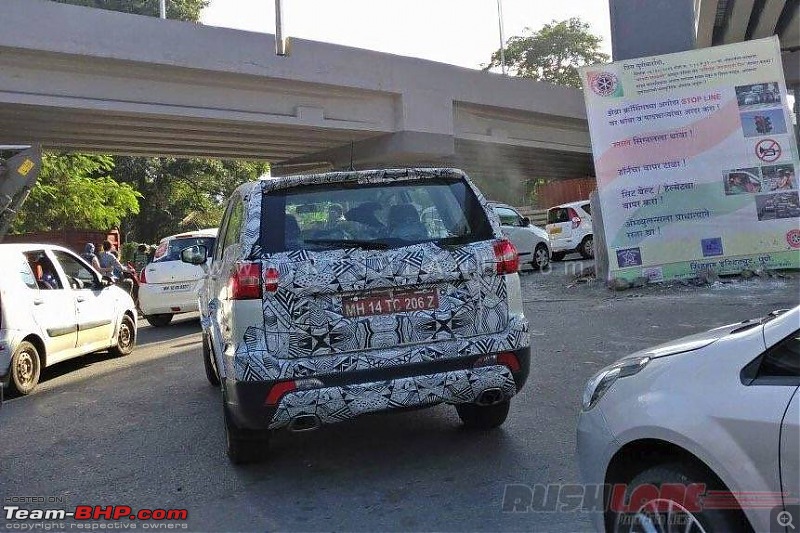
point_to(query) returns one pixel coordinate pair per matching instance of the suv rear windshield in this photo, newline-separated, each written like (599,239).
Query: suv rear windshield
(352,215)
(171,250)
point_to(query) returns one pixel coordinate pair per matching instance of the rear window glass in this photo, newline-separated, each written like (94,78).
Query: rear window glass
(321,217)
(587,208)
(557,215)
(171,250)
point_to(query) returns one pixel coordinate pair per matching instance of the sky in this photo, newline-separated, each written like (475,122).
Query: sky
(458,32)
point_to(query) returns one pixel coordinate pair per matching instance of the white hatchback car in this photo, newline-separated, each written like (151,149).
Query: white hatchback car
(54,306)
(169,286)
(532,243)
(699,434)
(570,229)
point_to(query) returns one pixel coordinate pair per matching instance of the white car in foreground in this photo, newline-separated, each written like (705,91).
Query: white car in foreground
(715,415)
(53,307)
(169,286)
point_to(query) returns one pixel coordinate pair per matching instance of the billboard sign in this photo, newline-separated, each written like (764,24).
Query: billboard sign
(696,161)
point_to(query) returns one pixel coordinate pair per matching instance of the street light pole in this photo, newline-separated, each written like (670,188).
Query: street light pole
(162,5)
(280,40)
(502,37)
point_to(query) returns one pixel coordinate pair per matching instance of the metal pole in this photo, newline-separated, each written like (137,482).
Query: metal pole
(502,37)
(162,5)
(280,41)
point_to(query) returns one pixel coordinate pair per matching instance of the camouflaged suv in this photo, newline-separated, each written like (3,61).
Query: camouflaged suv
(334,295)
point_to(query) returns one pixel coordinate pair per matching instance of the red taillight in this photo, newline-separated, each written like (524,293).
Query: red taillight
(245,282)
(278,390)
(142,277)
(271,280)
(506,358)
(510,360)
(506,257)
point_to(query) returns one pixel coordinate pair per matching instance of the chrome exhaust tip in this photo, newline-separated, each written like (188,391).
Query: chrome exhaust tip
(490,397)
(304,423)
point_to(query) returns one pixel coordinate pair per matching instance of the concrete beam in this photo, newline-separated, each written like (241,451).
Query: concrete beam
(737,21)
(705,15)
(768,19)
(642,28)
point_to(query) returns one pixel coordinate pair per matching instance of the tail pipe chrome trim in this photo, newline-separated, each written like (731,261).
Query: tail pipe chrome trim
(304,423)
(490,397)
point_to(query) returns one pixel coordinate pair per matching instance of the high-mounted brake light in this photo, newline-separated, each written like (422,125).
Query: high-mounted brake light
(245,283)
(506,257)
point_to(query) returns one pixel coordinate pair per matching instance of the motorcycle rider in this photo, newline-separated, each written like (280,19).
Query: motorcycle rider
(90,257)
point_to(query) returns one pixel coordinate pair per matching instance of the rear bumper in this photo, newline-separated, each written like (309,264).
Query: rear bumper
(347,395)
(153,300)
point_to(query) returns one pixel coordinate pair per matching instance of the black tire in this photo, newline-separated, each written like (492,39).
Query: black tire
(728,520)
(483,417)
(208,361)
(557,256)
(159,321)
(586,248)
(541,257)
(26,368)
(126,338)
(244,446)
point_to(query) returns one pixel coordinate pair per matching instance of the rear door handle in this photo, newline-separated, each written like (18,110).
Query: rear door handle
(79,298)
(38,301)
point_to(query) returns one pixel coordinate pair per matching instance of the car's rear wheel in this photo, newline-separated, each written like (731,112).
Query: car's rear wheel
(541,257)
(126,338)
(586,248)
(557,256)
(160,320)
(660,511)
(208,362)
(483,417)
(244,446)
(26,368)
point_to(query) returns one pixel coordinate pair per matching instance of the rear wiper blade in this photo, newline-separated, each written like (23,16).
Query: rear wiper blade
(350,243)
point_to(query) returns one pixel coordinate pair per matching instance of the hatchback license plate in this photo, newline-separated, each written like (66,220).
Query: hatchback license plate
(384,303)
(555,229)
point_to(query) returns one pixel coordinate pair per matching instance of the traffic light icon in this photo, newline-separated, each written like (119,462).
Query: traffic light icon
(763,124)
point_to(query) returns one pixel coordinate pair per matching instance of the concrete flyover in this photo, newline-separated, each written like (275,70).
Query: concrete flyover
(74,78)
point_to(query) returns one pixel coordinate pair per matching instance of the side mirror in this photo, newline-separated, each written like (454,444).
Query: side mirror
(526,222)
(106,281)
(195,255)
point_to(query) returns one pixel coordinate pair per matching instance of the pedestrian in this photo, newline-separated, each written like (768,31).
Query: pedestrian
(140,257)
(110,266)
(90,257)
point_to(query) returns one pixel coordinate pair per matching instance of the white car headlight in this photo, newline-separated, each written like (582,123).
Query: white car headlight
(603,380)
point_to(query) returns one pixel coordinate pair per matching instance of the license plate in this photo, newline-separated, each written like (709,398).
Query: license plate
(555,229)
(178,287)
(384,303)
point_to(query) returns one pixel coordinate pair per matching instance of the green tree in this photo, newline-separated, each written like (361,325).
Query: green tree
(75,191)
(188,10)
(180,194)
(552,54)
